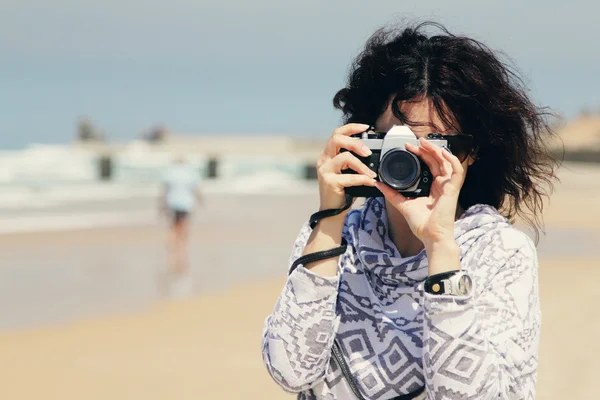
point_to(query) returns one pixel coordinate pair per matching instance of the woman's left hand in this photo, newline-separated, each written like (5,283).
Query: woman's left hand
(431,218)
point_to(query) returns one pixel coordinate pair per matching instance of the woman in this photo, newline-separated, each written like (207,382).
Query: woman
(397,304)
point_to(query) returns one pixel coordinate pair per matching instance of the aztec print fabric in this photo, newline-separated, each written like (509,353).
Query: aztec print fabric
(395,337)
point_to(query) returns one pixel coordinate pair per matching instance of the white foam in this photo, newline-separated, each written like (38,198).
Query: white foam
(73,221)
(45,164)
(45,177)
(268,182)
(23,197)
(19,198)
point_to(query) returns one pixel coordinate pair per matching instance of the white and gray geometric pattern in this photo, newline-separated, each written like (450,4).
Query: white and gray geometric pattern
(396,338)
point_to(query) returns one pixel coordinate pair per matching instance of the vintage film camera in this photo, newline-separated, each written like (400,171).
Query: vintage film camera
(394,165)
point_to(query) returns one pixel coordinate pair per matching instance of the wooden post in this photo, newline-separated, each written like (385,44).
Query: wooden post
(212,168)
(105,168)
(310,172)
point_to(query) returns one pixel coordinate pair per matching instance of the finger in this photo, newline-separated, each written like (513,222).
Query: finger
(348,160)
(396,199)
(437,153)
(457,168)
(333,147)
(428,158)
(348,180)
(349,143)
(350,129)
(454,161)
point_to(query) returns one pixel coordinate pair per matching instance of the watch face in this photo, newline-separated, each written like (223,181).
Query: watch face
(464,284)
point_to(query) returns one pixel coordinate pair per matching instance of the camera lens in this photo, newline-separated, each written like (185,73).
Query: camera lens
(399,169)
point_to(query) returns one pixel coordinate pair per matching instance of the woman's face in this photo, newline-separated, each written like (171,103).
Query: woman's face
(423,114)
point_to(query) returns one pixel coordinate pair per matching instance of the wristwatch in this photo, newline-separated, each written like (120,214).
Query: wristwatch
(456,282)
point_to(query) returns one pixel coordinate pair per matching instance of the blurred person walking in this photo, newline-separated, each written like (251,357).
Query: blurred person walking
(179,195)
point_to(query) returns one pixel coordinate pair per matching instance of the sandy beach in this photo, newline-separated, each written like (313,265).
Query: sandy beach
(82,314)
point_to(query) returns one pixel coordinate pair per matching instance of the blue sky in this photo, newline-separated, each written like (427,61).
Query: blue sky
(247,67)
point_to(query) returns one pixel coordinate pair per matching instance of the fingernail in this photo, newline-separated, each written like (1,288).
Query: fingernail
(373,174)
(366,151)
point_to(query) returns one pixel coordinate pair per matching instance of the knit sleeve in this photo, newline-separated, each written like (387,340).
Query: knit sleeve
(485,345)
(298,335)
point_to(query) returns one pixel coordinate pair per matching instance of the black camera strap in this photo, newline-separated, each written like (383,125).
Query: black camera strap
(325,254)
(319,215)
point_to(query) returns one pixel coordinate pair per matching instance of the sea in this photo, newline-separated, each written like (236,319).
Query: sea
(53,187)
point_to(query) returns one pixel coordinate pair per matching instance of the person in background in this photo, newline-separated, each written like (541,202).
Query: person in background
(179,195)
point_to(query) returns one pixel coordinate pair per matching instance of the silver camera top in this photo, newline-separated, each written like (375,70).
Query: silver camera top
(395,138)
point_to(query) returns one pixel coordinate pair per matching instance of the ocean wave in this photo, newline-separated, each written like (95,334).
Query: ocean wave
(42,165)
(112,205)
(37,181)
(48,165)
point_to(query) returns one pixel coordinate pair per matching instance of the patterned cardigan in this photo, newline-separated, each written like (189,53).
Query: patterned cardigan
(395,337)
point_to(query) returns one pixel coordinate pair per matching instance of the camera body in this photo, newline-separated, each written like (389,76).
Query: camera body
(394,165)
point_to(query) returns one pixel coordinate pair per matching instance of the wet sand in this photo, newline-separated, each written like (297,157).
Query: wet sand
(47,278)
(209,347)
(82,316)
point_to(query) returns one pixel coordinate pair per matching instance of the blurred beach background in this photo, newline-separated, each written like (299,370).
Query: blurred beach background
(97,98)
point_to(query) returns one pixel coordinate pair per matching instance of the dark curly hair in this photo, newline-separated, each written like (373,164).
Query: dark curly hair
(473,92)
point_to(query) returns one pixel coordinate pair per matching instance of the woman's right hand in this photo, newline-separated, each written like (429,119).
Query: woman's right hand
(331,163)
